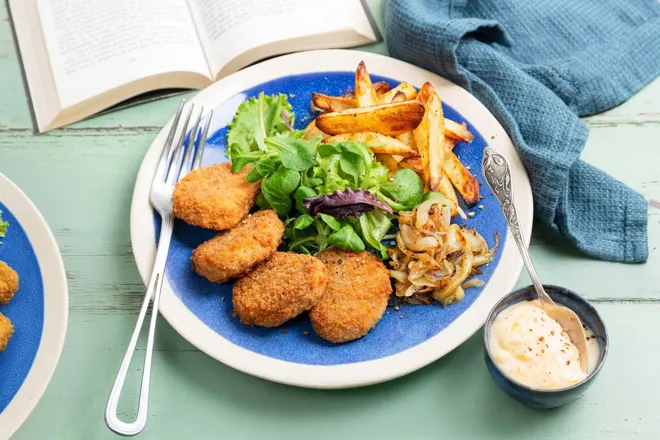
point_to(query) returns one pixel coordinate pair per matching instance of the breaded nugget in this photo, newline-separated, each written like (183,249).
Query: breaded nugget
(236,251)
(8,282)
(280,289)
(213,197)
(357,294)
(6,330)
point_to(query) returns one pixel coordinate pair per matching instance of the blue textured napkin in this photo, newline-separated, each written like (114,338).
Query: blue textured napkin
(537,65)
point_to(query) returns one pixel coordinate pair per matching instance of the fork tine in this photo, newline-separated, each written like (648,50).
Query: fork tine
(197,162)
(167,146)
(186,164)
(177,154)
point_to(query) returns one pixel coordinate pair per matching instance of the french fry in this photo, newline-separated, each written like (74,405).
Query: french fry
(466,184)
(376,142)
(457,132)
(332,103)
(311,131)
(365,94)
(388,119)
(430,138)
(405,88)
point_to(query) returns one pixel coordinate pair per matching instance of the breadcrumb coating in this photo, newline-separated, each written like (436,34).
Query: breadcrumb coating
(8,282)
(356,298)
(235,252)
(280,289)
(6,330)
(213,197)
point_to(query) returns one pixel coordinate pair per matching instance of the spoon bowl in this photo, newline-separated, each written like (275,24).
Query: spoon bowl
(571,322)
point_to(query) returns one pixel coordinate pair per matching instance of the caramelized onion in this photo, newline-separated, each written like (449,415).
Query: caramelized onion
(474,282)
(433,258)
(415,241)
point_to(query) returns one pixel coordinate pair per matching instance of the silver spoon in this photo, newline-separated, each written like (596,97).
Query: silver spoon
(498,176)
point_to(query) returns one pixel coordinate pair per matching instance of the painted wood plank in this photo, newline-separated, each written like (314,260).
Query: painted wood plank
(193,396)
(90,169)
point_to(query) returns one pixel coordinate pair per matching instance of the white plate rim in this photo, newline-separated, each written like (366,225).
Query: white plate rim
(360,373)
(56,306)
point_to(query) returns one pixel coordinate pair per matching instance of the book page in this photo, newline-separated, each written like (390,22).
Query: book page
(97,45)
(230,28)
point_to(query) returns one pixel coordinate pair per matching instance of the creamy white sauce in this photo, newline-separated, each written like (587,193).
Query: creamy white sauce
(533,349)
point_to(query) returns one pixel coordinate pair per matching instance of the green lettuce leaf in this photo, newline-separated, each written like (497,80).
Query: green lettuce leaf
(256,119)
(3,226)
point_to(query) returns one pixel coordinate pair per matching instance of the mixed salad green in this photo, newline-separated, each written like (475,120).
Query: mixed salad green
(329,194)
(3,226)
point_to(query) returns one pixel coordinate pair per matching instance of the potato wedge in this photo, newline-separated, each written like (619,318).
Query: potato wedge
(311,131)
(430,138)
(341,103)
(458,132)
(382,87)
(408,139)
(462,179)
(400,96)
(365,94)
(388,119)
(376,142)
(445,187)
(332,103)
(414,163)
(425,91)
(405,88)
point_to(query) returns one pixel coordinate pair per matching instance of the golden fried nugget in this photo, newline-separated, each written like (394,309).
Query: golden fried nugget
(236,251)
(357,294)
(280,289)
(6,330)
(8,282)
(213,197)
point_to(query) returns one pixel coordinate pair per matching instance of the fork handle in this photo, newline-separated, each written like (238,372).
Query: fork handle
(154,288)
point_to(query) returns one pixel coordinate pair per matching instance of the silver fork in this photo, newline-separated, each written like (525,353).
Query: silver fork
(173,165)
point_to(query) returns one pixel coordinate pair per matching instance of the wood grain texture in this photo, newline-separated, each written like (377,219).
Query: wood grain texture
(81,178)
(195,397)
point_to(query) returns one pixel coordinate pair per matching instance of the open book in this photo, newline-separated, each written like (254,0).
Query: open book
(84,56)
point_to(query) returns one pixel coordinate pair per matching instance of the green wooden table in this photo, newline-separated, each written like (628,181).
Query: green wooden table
(81,178)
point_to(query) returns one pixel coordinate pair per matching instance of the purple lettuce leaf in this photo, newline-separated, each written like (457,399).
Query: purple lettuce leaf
(345,203)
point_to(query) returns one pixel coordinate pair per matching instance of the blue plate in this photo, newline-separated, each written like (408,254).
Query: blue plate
(404,340)
(296,341)
(25,310)
(38,310)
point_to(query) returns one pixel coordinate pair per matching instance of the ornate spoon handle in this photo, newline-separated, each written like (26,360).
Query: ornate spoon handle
(497,174)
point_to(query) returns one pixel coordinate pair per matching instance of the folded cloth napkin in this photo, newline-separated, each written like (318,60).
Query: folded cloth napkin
(537,66)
